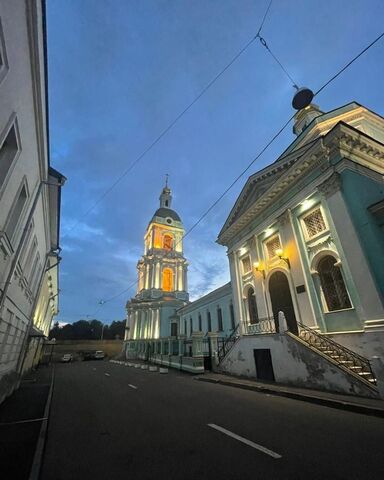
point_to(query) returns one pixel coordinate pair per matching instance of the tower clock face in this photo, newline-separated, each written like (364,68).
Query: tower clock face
(168,220)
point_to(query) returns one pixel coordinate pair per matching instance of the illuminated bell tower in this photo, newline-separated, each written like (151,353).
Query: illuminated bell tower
(162,275)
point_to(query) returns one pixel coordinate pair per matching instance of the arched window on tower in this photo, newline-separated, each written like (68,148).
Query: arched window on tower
(252,307)
(167,242)
(167,280)
(332,284)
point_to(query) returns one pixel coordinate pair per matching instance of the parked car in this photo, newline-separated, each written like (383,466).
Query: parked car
(93,355)
(88,355)
(99,355)
(67,357)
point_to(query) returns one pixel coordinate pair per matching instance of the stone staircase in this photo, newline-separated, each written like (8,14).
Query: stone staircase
(344,357)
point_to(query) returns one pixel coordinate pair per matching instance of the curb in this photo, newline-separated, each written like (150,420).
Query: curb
(38,456)
(327,402)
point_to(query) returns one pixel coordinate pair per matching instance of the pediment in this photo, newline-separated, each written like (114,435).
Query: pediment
(254,188)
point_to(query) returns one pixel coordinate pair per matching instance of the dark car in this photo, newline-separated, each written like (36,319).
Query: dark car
(88,355)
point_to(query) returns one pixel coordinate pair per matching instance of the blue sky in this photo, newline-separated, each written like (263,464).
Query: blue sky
(121,70)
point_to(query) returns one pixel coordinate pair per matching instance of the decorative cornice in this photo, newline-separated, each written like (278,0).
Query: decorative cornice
(330,186)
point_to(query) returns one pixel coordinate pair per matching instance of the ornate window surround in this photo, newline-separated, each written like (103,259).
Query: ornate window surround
(313,268)
(303,226)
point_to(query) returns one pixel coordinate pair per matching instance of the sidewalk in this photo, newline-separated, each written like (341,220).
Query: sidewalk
(20,421)
(363,405)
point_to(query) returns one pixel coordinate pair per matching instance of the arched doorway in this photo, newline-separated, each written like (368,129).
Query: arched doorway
(281,300)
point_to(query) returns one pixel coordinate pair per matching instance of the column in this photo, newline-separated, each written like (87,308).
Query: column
(180,278)
(236,289)
(176,278)
(157,275)
(147,277)
(197,344)
(185,269)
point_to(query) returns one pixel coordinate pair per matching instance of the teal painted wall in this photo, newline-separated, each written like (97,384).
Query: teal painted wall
(359,193)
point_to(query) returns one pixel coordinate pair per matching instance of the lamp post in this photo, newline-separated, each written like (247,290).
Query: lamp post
(102,331)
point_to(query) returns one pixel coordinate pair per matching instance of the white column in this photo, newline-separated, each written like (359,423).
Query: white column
(157,320)
(157,275)
(236,289)
(180,278)
(146,276)
(175,278)
(185,270)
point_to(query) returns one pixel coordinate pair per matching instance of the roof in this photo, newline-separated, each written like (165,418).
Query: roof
(167,212)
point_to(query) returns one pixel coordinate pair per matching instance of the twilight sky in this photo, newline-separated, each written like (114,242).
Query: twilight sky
(121,70)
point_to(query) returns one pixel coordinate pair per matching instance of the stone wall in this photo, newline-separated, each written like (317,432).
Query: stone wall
(294,363)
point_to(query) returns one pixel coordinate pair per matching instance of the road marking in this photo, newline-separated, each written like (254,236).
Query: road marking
(107,374)
(132,386)
(24,421)
(271,453)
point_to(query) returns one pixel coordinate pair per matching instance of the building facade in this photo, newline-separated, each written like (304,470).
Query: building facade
(29,193)
(306,238)
(212,313)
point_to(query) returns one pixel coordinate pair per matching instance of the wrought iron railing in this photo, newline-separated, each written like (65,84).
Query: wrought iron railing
(264,325)
(341,355)
(226,344)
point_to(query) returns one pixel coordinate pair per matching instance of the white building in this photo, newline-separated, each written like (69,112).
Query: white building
(29,193)
(305,237)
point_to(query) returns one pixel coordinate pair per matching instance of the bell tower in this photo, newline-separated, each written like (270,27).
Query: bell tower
(162,274)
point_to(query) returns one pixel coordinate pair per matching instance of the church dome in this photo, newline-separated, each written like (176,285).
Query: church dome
(165,213)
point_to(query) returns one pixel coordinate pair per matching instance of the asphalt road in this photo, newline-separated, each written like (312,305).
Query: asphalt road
(114,422)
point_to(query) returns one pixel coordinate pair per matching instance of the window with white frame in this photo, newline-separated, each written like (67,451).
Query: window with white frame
(9,148)
(314,223)
(16,212)
(246,264)
(3,55)
(272,245)
(332,284)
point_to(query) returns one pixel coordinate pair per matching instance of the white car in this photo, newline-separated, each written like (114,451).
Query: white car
(99,355)
(67,357)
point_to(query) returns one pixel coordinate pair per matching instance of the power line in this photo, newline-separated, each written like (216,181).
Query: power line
(275,136)
(264,44)
(172,124)
(350,63)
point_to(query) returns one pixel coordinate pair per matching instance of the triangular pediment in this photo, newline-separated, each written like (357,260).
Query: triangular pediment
(255,187)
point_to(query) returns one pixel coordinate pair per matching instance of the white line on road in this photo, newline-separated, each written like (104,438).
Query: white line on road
(107,374)
(244,440)
(132,386)
(24,421)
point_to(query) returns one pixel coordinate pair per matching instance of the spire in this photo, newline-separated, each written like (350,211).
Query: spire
(165,196)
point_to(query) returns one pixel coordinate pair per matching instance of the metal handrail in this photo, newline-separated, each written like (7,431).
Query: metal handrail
(228,343)
(343,354)
(263,325)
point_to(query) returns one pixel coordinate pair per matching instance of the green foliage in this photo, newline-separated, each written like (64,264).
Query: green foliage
(88,330)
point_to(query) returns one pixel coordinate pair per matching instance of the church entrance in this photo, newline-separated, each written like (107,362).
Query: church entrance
(281,300)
